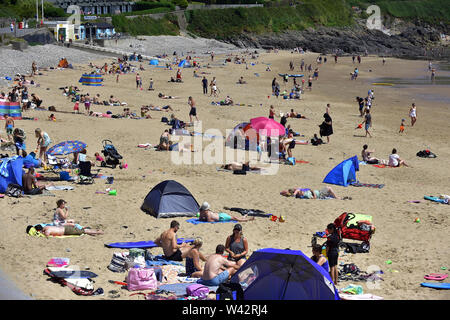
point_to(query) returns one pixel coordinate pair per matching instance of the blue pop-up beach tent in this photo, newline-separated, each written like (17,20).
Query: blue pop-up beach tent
(10,172)
(344,173)
(275,274)
(170,199)
(154,62)
(184,64)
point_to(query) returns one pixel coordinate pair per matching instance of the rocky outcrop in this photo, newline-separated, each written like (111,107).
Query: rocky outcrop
(407,40)
(43,36)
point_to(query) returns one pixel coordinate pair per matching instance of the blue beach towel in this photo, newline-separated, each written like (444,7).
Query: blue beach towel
(196,221)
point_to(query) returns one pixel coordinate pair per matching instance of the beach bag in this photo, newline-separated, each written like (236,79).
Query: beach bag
(197,290)
(141,279)
(117,263)
(240,172)
(164,119)
(350,268)
(230,291)
(14,190)
(426,154)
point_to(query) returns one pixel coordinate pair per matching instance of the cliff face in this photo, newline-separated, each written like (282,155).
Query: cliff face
(407,40)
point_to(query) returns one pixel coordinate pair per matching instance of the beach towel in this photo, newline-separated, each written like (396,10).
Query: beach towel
(59,188)
(250,212)
(170,273)
(436,199)
(195,221)
(370,185)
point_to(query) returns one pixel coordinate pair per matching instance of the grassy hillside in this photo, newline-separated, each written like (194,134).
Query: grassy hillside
(431,11)
(268,19)
(146,25)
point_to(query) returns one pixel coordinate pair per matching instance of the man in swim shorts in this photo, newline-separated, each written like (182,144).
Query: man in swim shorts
(218,269)
(64,230)
(168,241)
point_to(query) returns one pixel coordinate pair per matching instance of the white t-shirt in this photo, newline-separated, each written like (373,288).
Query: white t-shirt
(393,160)
(82,157)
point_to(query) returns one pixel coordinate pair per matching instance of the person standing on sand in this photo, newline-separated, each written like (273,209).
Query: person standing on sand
(9,127)
(193,111)
(413,114)
(138,81)
(332,245)
(271,112)
(368,122)
(205,85)
(326,128)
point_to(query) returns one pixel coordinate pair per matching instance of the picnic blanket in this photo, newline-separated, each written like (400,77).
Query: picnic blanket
(195,221)
(370,185)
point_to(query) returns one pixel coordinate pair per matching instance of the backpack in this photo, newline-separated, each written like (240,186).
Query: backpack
(230,291)
(14,190)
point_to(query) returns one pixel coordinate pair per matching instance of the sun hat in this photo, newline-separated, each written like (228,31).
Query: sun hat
(205,206)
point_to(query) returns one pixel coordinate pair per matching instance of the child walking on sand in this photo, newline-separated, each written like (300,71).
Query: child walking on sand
(402,126)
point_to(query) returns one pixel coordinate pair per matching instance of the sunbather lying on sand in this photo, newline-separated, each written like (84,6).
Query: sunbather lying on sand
(207,215)
(64,231)
(239,166)
(306,193)
(163,96)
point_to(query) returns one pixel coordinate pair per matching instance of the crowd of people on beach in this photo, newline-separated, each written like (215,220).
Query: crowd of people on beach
(230,255)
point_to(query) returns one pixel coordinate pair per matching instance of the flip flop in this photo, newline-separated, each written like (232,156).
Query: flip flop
(436,276)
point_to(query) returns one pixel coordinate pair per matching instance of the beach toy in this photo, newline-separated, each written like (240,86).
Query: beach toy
(273,218)
(443,268)
(417,220)
(281,219)
(198,215)
(113,192)
(125,166)
(388,262)
(8,78)
(436,276)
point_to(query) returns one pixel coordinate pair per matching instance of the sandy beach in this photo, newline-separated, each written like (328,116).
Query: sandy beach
(415,249)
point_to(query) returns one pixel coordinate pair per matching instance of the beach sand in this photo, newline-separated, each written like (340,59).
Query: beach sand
(415,249)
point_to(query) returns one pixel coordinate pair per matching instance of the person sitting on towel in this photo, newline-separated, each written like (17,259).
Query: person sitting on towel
(193,267)
(29,183)
(293,114)
(56,231)
(366,155)
(207,215)
(218,269)
(168,241)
